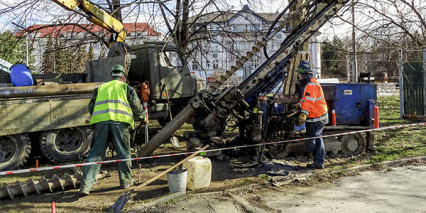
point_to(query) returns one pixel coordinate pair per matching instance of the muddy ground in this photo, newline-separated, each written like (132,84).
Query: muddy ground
(106,191)
(227,172)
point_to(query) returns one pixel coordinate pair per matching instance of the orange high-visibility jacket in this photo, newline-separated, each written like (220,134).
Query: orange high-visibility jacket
(313,102)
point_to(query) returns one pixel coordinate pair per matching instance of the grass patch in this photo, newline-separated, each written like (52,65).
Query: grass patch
(396,144)
(265,177)
(245,181)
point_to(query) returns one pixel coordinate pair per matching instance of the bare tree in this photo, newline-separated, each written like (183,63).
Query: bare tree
(383,27)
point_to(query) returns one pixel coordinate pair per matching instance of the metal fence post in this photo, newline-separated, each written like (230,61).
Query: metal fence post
(401,84)
(424,81)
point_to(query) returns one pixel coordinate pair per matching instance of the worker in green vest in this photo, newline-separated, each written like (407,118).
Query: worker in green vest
(113,107)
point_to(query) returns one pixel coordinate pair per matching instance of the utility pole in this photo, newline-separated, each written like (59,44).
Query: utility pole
(354,64)
(26,41)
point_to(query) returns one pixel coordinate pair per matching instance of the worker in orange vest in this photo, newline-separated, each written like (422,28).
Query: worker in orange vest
(313,111)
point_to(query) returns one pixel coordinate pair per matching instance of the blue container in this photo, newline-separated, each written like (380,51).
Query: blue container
(299,128)
(351,101)
(20,75)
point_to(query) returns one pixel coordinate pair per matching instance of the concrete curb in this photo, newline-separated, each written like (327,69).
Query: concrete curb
(365,166)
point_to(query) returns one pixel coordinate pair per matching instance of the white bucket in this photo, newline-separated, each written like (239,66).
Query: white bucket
(177,180)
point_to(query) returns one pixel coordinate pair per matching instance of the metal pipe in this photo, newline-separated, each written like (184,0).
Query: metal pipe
(167,131)
(60,89)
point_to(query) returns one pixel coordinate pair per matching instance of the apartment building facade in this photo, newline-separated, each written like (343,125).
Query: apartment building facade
(231,35)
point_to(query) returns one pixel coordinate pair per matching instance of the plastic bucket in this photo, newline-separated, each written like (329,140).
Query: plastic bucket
(177,180)
(20,75)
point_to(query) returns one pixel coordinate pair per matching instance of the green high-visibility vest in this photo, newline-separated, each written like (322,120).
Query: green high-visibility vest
(112,104)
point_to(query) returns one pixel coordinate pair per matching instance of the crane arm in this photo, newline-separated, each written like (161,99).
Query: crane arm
(96,16)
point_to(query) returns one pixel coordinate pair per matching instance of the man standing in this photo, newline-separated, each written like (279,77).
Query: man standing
(313,111)
(113,107)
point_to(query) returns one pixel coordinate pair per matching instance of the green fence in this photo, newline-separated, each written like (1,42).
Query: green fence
(414,89)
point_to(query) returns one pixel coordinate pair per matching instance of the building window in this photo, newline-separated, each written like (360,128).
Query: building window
(234,29)
(215,64)
(251,28)
(255,62)
(257,27)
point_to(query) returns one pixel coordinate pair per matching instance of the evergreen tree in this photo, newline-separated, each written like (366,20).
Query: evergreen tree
(333,58)
(48,58)
(81,57)
(91,53)
(61,56)
(11,48)
(102,52)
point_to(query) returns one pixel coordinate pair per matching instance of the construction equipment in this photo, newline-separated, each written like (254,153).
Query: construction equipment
(43,184)
(257,120)
(96,16)
(52,118)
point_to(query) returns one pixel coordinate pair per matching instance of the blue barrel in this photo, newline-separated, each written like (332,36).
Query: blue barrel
(20,75)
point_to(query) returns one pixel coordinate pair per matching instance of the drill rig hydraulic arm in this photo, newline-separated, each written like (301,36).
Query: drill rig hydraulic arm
(96,16)
(211,110)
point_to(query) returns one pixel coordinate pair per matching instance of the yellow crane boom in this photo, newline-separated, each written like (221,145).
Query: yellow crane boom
(96,16)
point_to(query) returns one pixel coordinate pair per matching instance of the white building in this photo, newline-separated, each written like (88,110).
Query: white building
(231,36)
(136,33)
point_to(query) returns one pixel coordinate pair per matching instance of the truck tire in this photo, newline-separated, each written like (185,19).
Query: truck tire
(66,145)
(352,144)
(14,151)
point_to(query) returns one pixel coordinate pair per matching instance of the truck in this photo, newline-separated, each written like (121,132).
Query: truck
(261,118)
(52,118)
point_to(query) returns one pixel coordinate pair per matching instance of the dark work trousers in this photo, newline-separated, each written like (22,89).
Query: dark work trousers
(107,131)
(315,146)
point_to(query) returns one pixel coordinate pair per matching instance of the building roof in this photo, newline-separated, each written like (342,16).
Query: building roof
(226,16)
(44,30)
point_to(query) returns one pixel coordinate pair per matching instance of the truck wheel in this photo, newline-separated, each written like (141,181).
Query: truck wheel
(14,151)
(352,144)
(66,145)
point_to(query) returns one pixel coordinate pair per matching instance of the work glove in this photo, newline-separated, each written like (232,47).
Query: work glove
(301,119)
(144,120)
(296,106)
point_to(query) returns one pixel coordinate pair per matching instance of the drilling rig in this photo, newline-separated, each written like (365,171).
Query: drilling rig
(260,118)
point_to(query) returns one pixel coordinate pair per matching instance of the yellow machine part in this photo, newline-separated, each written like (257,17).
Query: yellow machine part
(96,16)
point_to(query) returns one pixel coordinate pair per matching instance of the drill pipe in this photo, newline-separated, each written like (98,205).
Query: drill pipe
(43,184)
(45,90)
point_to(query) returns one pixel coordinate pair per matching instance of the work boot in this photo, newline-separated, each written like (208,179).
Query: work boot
(315,165)
(128,185)
(84,193)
